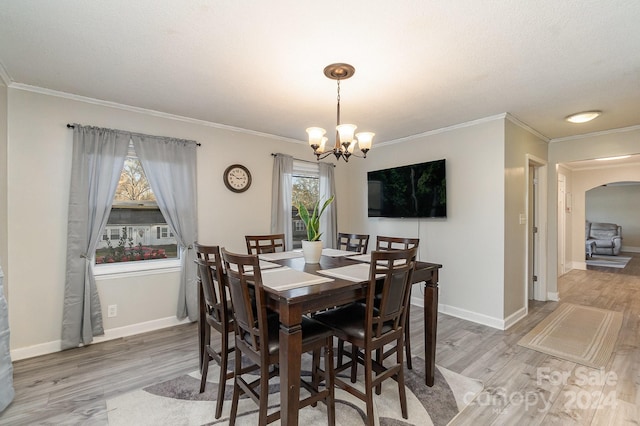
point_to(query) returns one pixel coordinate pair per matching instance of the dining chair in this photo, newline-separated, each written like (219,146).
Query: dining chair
(257,341)
(353,242)
(259,244)
(374,329)
(400,243)
(396,243)
(217,315)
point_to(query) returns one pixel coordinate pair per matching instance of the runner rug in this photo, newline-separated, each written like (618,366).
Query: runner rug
(608,261)
(577,333)
(177,402)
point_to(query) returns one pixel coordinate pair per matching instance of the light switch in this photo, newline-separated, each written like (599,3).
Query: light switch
(523,219)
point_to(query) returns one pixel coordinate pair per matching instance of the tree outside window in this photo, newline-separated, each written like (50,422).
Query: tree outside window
(136,229)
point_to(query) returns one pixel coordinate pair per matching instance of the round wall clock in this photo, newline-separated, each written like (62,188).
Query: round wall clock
(237,178)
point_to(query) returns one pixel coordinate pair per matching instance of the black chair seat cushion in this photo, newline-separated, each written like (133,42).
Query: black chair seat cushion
(312,330)
(348,319)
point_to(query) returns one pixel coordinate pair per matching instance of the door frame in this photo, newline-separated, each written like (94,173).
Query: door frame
(538,256)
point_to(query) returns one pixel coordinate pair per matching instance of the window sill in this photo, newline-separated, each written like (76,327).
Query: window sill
(138,268)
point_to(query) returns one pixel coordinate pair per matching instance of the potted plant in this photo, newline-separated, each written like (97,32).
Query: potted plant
(312,246)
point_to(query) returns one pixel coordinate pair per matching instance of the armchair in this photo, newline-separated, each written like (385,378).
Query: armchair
(604,238)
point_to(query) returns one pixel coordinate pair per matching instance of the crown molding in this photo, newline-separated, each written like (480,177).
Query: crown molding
(594,134)
(145,111)
(444,129)
(515,120)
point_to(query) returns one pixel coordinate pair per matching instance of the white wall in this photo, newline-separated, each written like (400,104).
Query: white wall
(618,204)
(520,145)
(39,149)
(604,144)
(469,243)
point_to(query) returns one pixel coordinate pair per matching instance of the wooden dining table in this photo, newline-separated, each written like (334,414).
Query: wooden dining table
(292,304)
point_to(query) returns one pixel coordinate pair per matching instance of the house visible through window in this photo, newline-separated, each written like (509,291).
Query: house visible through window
(136,229)
(305,189)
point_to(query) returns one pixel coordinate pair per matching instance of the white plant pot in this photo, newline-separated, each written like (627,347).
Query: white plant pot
(312,251)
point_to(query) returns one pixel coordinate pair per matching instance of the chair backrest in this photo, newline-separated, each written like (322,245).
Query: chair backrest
(211,277)
(395,269)
(248,299)
(396,243)
(353,242)
(259,244)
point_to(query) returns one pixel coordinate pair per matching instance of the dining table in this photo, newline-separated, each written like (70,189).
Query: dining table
(293,301)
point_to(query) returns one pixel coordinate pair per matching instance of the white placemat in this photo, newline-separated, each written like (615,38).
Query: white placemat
(358,272)
(337,253)
(286,278)
(281,255)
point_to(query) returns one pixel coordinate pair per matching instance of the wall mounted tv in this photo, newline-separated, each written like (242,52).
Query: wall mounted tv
(416,190)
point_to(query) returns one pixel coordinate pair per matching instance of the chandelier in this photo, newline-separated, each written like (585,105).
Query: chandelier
(345,142)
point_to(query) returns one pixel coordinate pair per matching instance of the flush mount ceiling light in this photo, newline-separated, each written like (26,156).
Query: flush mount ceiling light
(345,141)
(583,117)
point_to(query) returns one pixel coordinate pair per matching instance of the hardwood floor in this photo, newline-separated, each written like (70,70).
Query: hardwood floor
(71,387)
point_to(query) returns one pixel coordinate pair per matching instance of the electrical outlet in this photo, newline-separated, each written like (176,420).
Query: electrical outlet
(112,311)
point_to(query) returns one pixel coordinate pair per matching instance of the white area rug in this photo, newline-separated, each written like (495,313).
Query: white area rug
(608,261)
(581,334)
(177,402)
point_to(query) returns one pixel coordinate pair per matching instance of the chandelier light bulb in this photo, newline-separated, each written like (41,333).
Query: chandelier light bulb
(346,132)
(315,135)
(365,139)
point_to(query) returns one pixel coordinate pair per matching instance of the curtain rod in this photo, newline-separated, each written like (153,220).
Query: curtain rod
(306,161)
(73,126)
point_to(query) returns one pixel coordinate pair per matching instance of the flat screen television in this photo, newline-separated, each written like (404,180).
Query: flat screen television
(413,191)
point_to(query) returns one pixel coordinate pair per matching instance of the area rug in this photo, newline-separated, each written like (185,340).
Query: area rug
(608,261)
(577,333)
(177,402)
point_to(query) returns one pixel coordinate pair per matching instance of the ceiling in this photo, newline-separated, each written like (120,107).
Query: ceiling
(420,65)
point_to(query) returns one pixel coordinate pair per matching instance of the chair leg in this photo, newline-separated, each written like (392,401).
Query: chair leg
(354,362)
(264,395)
(205,358)
(236,389)
(222,380)
(315,369)
(368,386)
(340,352)
(407,340)
(401,389)
(328,380)
(379,361)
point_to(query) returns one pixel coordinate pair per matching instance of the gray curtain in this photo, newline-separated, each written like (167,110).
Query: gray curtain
(98,158)
(329,220)
(281,198)
(170,166)
(6,368)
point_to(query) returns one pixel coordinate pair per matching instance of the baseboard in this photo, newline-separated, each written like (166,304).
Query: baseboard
(515,317)
(472,316)
(630,249)
(500,324)
(553,296)
(111,334)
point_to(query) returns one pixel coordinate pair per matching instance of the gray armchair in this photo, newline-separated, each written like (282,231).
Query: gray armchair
(605,238)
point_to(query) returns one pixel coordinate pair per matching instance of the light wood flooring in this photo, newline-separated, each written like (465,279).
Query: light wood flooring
(71,387)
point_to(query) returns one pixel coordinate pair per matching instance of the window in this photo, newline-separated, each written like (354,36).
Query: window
(136,229)
(305,189)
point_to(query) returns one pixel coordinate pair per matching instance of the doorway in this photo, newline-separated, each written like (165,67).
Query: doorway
(535,280)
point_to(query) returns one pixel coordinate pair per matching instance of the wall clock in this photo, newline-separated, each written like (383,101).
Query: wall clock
(237,178)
